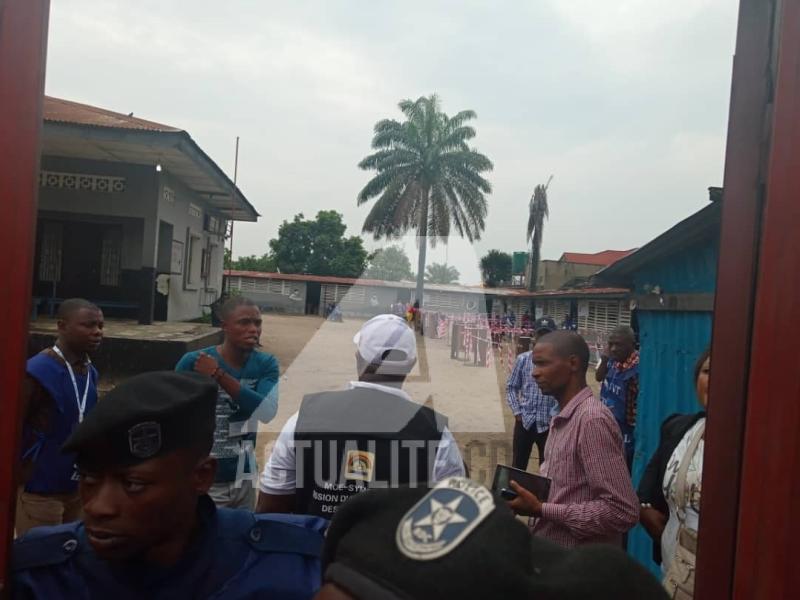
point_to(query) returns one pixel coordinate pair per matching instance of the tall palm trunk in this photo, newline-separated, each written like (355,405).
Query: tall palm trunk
(536,248)
(422,240)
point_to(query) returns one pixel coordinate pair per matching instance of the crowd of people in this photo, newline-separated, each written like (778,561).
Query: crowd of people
(154,491)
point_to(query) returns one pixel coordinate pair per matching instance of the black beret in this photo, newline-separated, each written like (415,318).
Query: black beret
(146,416)
(458,541)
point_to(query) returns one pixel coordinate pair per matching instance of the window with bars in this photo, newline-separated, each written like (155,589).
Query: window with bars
(50,252)
(194,259)
(558,310)
(604,316)
(111,257)
(352,294)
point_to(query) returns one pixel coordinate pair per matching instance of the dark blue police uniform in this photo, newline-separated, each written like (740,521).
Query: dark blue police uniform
(235,555)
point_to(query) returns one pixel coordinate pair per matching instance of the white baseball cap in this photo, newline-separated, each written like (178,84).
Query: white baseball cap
(387,332)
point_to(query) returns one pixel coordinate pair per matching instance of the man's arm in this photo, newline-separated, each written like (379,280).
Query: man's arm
(614,507)
(272,503)
(602,369)
(449,462)
(514,384)
(631,402)
(278,482)
(263,400)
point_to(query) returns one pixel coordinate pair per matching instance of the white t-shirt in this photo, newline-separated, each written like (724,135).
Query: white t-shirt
(279,477)
(694,476)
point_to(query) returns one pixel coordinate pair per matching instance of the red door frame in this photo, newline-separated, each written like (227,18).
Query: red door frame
(748,531)
(23,43)
(768,527)
(732,309)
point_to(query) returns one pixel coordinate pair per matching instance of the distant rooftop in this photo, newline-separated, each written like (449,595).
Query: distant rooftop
(601,259)
(75,130)
(57,110)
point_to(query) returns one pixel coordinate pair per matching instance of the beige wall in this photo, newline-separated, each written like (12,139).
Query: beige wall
(553,273)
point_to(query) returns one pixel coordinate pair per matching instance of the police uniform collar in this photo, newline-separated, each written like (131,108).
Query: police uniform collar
(395,391)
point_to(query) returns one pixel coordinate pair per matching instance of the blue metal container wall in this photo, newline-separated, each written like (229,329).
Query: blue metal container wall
(692,270)
(670,345)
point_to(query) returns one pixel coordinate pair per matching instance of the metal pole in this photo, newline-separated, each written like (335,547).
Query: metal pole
(235,177)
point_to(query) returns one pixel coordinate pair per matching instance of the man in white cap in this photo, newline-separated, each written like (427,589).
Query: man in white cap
(369,435)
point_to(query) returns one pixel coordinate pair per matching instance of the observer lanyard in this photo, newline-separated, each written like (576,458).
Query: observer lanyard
(81,402)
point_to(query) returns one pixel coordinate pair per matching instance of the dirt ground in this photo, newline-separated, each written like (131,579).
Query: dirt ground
(316,355)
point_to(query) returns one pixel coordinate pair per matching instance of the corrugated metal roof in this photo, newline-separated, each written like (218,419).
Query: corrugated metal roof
(75,130)
(601,259)
(568,293)
(57,110)
(701,226)
(437,287)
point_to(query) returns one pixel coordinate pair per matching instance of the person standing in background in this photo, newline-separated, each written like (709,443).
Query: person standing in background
(342,442)
(247,381)
(60,388)
(531,408)
(592,499)
(619,372)
(670,490)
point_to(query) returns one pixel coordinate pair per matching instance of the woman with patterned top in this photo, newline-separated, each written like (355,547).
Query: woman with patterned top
(670,490)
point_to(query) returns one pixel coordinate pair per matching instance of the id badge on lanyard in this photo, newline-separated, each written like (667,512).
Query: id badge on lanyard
(79,401)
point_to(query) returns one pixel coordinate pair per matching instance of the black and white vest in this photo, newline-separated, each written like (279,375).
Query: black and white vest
(351,440)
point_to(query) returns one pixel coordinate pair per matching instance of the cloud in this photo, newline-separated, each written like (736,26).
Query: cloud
(625,103)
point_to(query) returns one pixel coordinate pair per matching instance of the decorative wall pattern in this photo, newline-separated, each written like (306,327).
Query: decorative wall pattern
(81,181)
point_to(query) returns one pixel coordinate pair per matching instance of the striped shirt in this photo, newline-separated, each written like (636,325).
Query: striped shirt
(592,499)
(526,399)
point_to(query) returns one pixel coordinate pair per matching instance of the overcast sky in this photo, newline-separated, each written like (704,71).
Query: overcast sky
(624,102)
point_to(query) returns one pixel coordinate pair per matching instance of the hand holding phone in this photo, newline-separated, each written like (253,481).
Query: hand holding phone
(508,494)
(526,503)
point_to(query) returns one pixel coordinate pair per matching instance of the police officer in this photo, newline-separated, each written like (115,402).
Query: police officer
(458,541)
(372,434)
(150,530)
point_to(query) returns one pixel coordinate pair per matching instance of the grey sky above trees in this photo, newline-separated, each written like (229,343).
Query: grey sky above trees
(626,104)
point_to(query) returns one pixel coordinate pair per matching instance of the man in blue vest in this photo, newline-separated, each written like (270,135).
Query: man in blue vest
(619,372)
(370,435)
(60,388)
(150,529)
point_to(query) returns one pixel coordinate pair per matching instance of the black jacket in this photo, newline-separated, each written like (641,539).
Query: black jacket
(651,485)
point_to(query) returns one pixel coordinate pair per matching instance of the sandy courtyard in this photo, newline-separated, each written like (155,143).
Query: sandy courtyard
(316,355)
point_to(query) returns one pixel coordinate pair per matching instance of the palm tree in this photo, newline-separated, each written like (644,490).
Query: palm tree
(428,178)
(441,273)
(537,213)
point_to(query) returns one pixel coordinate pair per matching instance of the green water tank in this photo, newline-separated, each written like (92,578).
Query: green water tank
(519,262)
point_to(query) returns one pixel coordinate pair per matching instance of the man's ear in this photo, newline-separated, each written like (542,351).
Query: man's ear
(204,472)
(574,363)
(61,324)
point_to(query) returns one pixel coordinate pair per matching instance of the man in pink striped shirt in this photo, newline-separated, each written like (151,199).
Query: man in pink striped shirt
(592,499)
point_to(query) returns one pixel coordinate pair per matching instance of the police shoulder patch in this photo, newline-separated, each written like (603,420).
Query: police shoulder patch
(443,518)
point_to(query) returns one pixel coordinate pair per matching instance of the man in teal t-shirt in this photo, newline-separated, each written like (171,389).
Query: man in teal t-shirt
(248,393)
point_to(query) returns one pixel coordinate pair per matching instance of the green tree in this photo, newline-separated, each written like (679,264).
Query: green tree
(318,247)
(264,263)
(537,213)
(495,268)
(390,264)
(441,273)
(428,178)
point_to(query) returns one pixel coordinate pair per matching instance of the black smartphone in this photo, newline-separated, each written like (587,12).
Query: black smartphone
(504,475)
(507,494)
